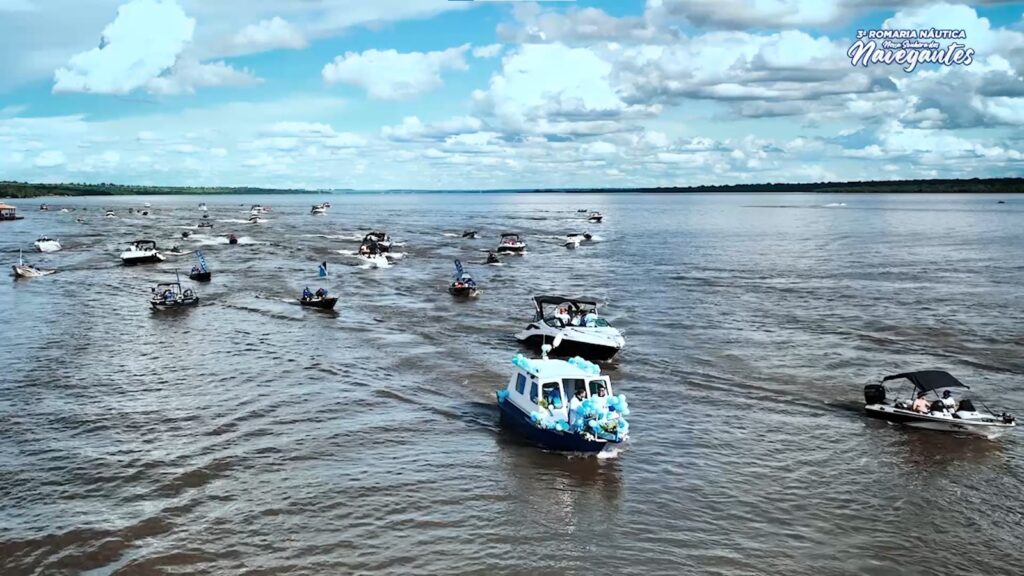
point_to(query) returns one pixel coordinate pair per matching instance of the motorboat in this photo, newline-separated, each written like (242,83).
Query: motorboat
(147,204)
(511,243)
(936,402)
(44,244)
(320,299)
(573,241)
(595,218)
(232,239)
(319,209)
(374,253)
(141,252)
(575,324)
(64,210)
(256,209)
(255,219)
(25,270)
(205,224)
(110,214)
(582,211)
(170,296)
(145,212)
(492,258)
(381,239)
(185,234)
(202,206)
(563,405)
(470,234)
(463,285)
(44,207)
(177,251)
(200,272)
(9,213)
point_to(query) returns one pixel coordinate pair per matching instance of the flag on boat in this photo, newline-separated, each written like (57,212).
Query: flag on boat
(323,269)
(202,261)
(458,269)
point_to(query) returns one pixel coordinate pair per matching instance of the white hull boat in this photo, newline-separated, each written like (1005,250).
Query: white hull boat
(575,325)
(141,252)
(45,244)
(24,270)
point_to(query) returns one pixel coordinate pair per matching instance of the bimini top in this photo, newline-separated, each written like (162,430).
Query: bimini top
(510,235)
(926,380)
(540,301)
(144,243)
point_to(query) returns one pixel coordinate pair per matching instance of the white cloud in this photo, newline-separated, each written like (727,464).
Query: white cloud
(187,75)
(489,51)
(269,34)
(143,41)
(393,75)
(412,129)
(50,159)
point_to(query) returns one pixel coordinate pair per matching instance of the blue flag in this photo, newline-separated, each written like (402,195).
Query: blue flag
(323,269)
(202,261)
(458,269)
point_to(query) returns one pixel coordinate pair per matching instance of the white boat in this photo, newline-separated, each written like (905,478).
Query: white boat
(938,408)
(577,326)
(595,218)
(141,252)
(319,209)
(25,270)
(574,240)
(147,205)
(511,243)
(375,260)
(255,219)
(378,238)
(256,209)
(202,206)
(110,214)
(170,296)
(563,405)
(44,244)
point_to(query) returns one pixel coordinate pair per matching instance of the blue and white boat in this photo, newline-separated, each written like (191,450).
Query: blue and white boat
(542,403)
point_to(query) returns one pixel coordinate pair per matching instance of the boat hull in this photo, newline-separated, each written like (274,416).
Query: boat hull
(990,430)
(510,249)
(134,260)
(176,305)
(29,272)
(200,276)
(462,292)
(568,348)
(548,439)
(321,303)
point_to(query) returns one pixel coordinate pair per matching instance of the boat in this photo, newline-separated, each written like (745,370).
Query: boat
(201,272)
(318,300)
(186,234)
(232,239)
(80,220)
(577,326)
(25,270)
(44,244)
(563,405)
(145,212)
(147,204)
(110,214)
(255,219)
(582,211)
(319,209)
(170,296)
(9,213)
(64,210)
(511,243)
(381,239)
(595,217)
(463,285)
(256,209)
(206,224)
(573,241)
(44,207)
(492,258)
(940,409)
(202,206)
(1001,202)
(177,251)
(471,234)
(141,252)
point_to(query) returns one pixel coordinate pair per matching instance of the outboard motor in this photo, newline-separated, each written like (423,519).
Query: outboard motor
(874,394)
(1008,418)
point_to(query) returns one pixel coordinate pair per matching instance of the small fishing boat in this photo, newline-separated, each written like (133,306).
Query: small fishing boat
(511,243)
(947,410)
(577,326)
(25,270)
(170,296)
(463,285)
(320,299)
(563,405)
(471,234)
(595,217)
(44,244)
(492,258)
(141,252)
(206,224)
(232,239)
(201,272)
(319,209)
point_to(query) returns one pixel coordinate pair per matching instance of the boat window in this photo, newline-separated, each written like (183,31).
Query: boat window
(552,394)
(521,384)
(571,384)
(593,385)
(533,391)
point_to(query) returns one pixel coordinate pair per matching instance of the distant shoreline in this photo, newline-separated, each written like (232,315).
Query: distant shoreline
(936,186)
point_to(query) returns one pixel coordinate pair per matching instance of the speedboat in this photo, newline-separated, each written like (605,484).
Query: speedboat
(373,254)
(255,219)
(492,258)
(471,234)
(381,239)
(186,234)
(110,214)
(177,251)
(44,207)
(44,244)
(583,211)
(595,217)
(64,210)
(232,239)
(318,300)
(575,324)
(141,252)
(319,209)
(170,296)
(574,240)
(510,243)
(201,272)
(202,206)
(937,407)
(463,285)
(558,405)
(147,204)
(206,224)
(25,270)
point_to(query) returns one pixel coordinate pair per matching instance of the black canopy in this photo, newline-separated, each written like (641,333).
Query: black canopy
(927,380)
(509,234)
(540,301)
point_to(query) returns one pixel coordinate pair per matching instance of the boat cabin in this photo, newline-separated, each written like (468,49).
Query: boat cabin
(143,245)
(551,384)
(559,312)
(8,212)
(510,238)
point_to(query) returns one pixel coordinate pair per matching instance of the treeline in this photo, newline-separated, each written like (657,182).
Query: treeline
(965,186)
(31,190)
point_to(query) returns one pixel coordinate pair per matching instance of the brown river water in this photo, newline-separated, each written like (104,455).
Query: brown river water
(252,436)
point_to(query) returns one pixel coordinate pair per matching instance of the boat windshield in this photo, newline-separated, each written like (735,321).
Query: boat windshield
(596,383)
(551,395)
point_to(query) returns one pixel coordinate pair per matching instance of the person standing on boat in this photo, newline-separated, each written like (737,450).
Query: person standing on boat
(948,402)
(601,400)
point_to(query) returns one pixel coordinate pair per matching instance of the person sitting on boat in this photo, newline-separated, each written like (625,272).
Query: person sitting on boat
(948,402)
(563,315)
(306,294)
(195,270)
(168,296)
(921,404)
(320,292)
(576,400)
(590,319)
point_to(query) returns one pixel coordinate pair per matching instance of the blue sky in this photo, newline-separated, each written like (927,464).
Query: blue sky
(465,95)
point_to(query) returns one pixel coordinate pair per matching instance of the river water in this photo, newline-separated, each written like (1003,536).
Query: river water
(252,436)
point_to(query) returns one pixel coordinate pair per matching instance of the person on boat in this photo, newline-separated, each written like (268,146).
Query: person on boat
(320,292)
(921,404)
(195,270)
(601,400)
(306,294)
(948,402)
(168,296)
(575,402)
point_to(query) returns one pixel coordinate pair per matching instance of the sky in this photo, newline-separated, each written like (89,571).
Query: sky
(439,94)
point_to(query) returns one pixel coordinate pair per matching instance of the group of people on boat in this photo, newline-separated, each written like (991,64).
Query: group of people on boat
(573,316)
(320,293)
(945,405)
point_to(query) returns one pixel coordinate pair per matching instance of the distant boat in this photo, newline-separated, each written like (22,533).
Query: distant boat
(110,214)
(471,234)
(319,209)
(147,205)
(595,217)
(202,206)
(25,270)
(8,212)
(200,273)
(511,243)
(141,252)
(319,300)
(44,244)
(232,239)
